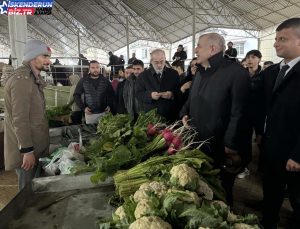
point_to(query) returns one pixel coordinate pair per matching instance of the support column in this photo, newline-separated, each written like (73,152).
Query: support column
(78,42)
(17,25)
(170,53)
(194,28)
(127,37)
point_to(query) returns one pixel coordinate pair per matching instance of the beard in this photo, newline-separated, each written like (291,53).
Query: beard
(158,70)
(45,68)
(95,74)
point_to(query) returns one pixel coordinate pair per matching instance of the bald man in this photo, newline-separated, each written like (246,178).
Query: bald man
(216,105)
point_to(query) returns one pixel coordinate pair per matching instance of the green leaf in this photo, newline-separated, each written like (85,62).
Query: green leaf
(108,146)
(97,177)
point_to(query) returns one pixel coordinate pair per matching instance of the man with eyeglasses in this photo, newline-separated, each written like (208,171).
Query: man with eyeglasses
(158,87)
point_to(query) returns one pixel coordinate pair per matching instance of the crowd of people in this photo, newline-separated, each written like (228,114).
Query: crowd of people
(223,100)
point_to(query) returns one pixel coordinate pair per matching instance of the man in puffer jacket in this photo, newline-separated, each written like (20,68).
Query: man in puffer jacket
(98,94)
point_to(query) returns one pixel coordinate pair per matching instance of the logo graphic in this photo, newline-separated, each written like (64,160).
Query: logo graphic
(25,7)
(3,7)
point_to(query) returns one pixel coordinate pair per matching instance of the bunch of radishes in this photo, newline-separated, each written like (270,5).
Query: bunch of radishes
(176,137)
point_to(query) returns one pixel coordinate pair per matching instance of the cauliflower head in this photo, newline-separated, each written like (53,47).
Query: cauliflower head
(185,176)
(120,213)
(221,204)
(232,217)
(145,189)
(143,207)
(244,226)
(151,222)
(205,190)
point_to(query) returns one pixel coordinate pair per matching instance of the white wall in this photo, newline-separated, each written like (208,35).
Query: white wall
(138,48)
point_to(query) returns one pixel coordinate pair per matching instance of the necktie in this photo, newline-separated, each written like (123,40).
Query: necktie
(158,75)
(280,76)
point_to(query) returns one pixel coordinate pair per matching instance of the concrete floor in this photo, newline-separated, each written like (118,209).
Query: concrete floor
(247,192)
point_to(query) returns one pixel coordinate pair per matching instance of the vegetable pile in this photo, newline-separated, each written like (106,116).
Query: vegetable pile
(123,144)
(184,200)
(162,180)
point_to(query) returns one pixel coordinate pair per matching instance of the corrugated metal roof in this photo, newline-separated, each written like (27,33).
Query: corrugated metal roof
(102,23)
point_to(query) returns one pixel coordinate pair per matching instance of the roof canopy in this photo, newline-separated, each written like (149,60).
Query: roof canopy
(102,23)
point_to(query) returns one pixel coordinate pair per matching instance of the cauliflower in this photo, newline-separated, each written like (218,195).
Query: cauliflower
(120,213)
(151,222)
(244,226)
(145,189)
(231,217)
(205,189)
(185,176)
(220,203)
(143,207)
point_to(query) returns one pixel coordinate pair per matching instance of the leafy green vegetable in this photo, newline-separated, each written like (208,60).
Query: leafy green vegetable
(54,112)
(54,115)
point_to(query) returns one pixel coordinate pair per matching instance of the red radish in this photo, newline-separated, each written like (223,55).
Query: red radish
(177,142)
(168,136)
(149,126)
(168,143)
(151,129)
(166,130)
(171,150)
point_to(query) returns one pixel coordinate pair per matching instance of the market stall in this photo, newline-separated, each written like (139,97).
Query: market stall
(134,174)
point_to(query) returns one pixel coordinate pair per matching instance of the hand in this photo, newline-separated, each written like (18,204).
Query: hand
(167,95)
(107,109)
(87,111)
(155,95)
(229,151)
(185,120)
(28,161)
(292,166)
(258,139)
(186,86)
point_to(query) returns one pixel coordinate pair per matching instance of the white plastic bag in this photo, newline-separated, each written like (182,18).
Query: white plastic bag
(64,160)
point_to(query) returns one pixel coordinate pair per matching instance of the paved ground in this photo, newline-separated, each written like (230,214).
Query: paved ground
(247,192)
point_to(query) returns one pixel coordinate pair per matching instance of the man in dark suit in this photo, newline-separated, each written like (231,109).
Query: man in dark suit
(216,107)
(158,87)
(281,155)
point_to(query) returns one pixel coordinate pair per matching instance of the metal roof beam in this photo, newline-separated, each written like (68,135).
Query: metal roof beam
(93,38)
(158,35)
